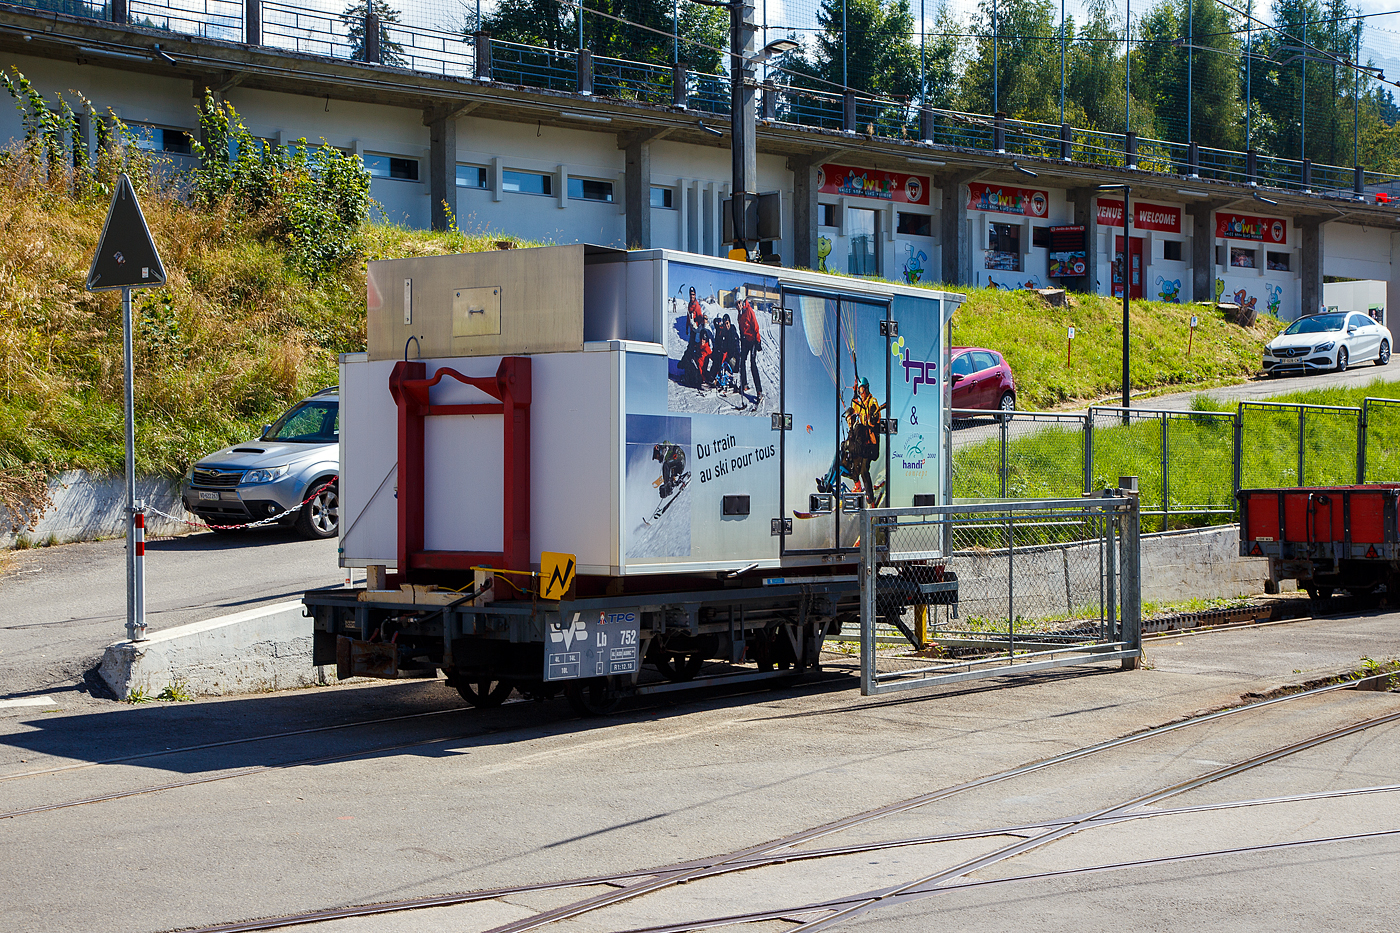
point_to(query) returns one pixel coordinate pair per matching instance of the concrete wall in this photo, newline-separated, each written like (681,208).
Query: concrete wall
(247,652)
(87,506)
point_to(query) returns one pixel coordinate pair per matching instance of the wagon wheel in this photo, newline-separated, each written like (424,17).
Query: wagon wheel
(483,694)
(1319,595)
(680,666)
(596,696)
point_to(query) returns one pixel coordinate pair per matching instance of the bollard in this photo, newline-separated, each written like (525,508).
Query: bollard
(138,515)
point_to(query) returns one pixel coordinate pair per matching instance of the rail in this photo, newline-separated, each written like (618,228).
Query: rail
(441,49)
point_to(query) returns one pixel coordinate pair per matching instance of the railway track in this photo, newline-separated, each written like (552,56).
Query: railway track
(820,915)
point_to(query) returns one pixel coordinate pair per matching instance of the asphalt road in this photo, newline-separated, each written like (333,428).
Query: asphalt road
(295,807)
(60,606)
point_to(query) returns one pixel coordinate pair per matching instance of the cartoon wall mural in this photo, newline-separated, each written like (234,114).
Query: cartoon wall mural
(1014,284)
(1275,297)
(914,266)
(1244,299)
(823,251)
(1219,289)
(1169,289)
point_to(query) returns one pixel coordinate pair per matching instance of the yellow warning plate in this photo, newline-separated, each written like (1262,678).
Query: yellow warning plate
(556,574)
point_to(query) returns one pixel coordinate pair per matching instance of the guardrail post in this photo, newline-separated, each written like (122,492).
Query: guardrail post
(1089,450)
(1066,142)
(770,100)
(1361,441)
(1239,449)
(1307,176)
(1166,484)
(1130,580)
(1251,167)
(119,12)
(1193,160)
(252,22)
(1004,469)
(848,111)
(1358,182)
(482,70)
(372,38)
(680,82)
(1302,435)
(928,124)
(585,71)
(1130,148)
(999,131)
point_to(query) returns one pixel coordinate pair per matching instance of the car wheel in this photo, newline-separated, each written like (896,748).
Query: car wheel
(1341,359)
(1006,405)
(1383,357)
(320,517)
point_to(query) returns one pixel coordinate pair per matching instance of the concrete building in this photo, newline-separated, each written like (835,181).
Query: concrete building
(568,166)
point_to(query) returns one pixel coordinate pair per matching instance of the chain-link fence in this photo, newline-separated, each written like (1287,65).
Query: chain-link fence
(954,593)
(1189,464)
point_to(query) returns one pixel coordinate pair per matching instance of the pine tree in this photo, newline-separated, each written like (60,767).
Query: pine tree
(353,16)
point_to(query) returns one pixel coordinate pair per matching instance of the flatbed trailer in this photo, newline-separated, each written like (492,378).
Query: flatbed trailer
(1327,538)
(557,479)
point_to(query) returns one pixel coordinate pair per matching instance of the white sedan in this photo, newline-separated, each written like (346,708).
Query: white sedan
(1327,341)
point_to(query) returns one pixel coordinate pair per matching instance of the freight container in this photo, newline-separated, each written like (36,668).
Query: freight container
(688,437)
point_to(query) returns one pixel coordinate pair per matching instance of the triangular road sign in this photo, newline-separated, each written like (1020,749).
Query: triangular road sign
(126,255)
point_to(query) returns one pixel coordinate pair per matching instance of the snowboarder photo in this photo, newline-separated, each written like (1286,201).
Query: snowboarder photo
(672,460)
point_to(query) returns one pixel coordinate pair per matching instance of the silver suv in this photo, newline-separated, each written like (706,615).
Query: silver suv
(292,462)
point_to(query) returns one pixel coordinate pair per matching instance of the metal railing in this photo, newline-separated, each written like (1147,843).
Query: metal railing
(987,590)
(1189,464)
(439,49)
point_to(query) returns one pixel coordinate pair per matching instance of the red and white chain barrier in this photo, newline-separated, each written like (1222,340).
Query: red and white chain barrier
(260,522)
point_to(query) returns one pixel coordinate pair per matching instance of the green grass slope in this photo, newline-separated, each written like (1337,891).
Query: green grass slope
(1033,337)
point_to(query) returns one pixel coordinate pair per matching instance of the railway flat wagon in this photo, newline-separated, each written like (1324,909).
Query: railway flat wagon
(1327,538)
(599,471)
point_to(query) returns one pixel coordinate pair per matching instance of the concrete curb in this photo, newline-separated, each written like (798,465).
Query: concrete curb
(268,648)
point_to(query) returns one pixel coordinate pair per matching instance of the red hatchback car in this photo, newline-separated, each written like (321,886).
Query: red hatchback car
(982,379)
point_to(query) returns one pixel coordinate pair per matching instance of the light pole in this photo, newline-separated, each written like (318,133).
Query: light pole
(743,89)
(1127,277)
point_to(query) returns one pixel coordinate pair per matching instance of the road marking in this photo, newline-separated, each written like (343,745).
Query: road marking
(27,701)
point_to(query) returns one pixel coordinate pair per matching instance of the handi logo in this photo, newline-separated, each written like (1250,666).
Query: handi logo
(577,631)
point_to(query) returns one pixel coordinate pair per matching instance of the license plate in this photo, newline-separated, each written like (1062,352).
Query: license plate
(208,496)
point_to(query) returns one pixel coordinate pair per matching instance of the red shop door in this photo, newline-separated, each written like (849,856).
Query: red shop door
(1135,257)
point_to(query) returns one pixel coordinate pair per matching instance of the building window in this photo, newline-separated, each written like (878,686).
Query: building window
(663,197)
(1171,250)
(914,224)
(588,189)
(1241,258)
(826,215)
(383,166)
(1276,262)
(527,182)
(863,238)
(471,176)
(1040,237)
(160,139)
(1004,247)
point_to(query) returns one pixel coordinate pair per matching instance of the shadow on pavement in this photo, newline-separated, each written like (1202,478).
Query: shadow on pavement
(253,731)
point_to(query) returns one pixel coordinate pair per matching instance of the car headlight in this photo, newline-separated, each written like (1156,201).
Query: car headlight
(1268,351)
(1324,347)
(265,475)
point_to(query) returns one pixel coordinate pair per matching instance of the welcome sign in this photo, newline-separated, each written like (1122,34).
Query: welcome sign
(1145,216)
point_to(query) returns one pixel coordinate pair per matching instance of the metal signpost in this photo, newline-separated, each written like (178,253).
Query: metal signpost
(126,258)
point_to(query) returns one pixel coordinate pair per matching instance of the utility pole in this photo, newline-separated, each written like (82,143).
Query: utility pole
(743,122)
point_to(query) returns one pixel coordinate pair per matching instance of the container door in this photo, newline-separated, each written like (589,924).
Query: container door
(865,393)
(811,378)
(916,404)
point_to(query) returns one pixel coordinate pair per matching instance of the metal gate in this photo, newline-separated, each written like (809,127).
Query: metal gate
(951,593)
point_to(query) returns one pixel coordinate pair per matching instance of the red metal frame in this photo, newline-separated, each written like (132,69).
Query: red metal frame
(410,387)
